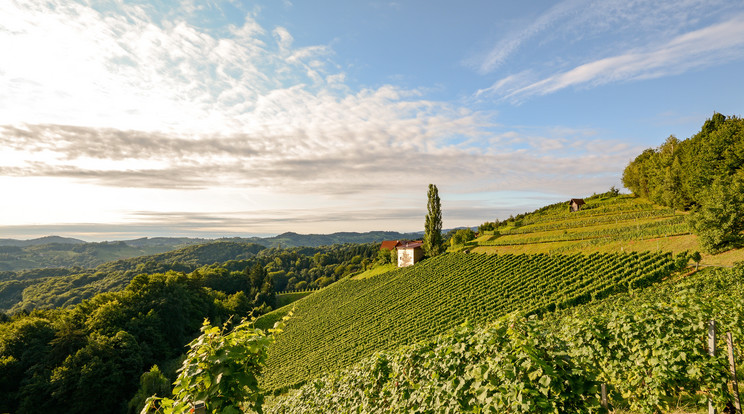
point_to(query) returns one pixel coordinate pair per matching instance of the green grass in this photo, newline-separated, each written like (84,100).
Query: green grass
(284,299)
(377,270)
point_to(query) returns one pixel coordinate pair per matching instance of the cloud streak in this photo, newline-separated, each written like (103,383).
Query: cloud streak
(713,45)
(296,164)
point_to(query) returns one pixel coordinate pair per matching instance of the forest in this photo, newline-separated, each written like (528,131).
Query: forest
(702,174)
(296,268)
(91,353)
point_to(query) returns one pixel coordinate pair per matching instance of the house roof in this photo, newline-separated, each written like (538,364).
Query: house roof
(410,245)
(578,201)
(389,244)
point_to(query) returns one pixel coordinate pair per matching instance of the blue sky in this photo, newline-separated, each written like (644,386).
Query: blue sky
(232,118)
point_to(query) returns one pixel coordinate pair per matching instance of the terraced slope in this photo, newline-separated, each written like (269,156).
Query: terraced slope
(352,318)
(609,224)
(604,219)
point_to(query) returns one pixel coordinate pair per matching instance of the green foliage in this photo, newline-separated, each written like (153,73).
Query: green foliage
(221,370)
(689,173)
(353,318)
(91,356)
(719,221)
(506,367)
(152,383)
(462,236)
(433,243)
(648,347)
(488,226)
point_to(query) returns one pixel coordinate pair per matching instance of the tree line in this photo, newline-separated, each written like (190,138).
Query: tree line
(297,268)
(89,357)
(702,174)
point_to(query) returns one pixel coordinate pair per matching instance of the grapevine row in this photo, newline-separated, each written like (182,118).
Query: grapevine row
(350,319)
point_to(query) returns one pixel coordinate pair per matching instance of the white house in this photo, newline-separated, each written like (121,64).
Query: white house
(409,253)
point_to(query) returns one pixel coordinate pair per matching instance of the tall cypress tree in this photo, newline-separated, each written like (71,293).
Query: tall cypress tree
(433,244)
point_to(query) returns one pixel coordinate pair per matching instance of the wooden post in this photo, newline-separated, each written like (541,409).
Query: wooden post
(732,367)
(711,352)
(604,395)
(199,408)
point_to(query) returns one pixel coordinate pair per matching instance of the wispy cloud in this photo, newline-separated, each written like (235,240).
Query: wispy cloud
(713,45)
(591,43)
(511,43)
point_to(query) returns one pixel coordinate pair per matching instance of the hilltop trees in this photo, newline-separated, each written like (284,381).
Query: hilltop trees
(719,221)
(433,243)
(698,173)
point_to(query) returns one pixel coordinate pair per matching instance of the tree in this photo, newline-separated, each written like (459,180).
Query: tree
(462,236)
(433,244)
(221,369)
(719,221)
(151,383)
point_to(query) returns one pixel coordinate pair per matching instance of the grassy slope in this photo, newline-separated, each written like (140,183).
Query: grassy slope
(355,317)
(614,223)
(633,309)
(611,215)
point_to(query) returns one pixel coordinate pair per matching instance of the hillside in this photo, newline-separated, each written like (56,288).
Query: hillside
(56,252)
(290,269)
(291,239)
(545,260)
(607,223)
(44,288)
(556,363)
(59,252)
(353,318)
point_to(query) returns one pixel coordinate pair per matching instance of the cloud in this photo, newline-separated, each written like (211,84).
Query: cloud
(353,159)
(572,25)
(713,45)
(126,97)
(510,44)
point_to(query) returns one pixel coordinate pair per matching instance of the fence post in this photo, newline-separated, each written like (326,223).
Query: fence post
(732,367)
(604,395)
(711,352)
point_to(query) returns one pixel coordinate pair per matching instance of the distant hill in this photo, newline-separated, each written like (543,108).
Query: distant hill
(57,252)
(53,287)
(40,241)
(291,239)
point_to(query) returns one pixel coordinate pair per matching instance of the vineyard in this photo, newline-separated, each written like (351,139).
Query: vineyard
(339,325)
(607,223)
(648,349)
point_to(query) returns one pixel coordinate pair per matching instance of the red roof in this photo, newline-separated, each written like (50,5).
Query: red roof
(389,244)
(410,245)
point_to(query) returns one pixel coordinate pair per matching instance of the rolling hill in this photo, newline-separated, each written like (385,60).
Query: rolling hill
(59,252)
(578,262)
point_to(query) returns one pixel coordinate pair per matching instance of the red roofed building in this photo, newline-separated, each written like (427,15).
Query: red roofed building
(389,244)
(409,253)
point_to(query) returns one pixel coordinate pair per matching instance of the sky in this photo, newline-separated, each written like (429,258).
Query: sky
(124,119)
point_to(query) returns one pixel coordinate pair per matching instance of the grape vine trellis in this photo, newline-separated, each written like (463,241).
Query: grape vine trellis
(351,319)
(649,348)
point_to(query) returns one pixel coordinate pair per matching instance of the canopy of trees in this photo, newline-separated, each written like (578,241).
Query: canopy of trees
(701,173)
(92,356)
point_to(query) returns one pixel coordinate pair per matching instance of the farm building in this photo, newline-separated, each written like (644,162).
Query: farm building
(575,204)
(409,253)
(389,244)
